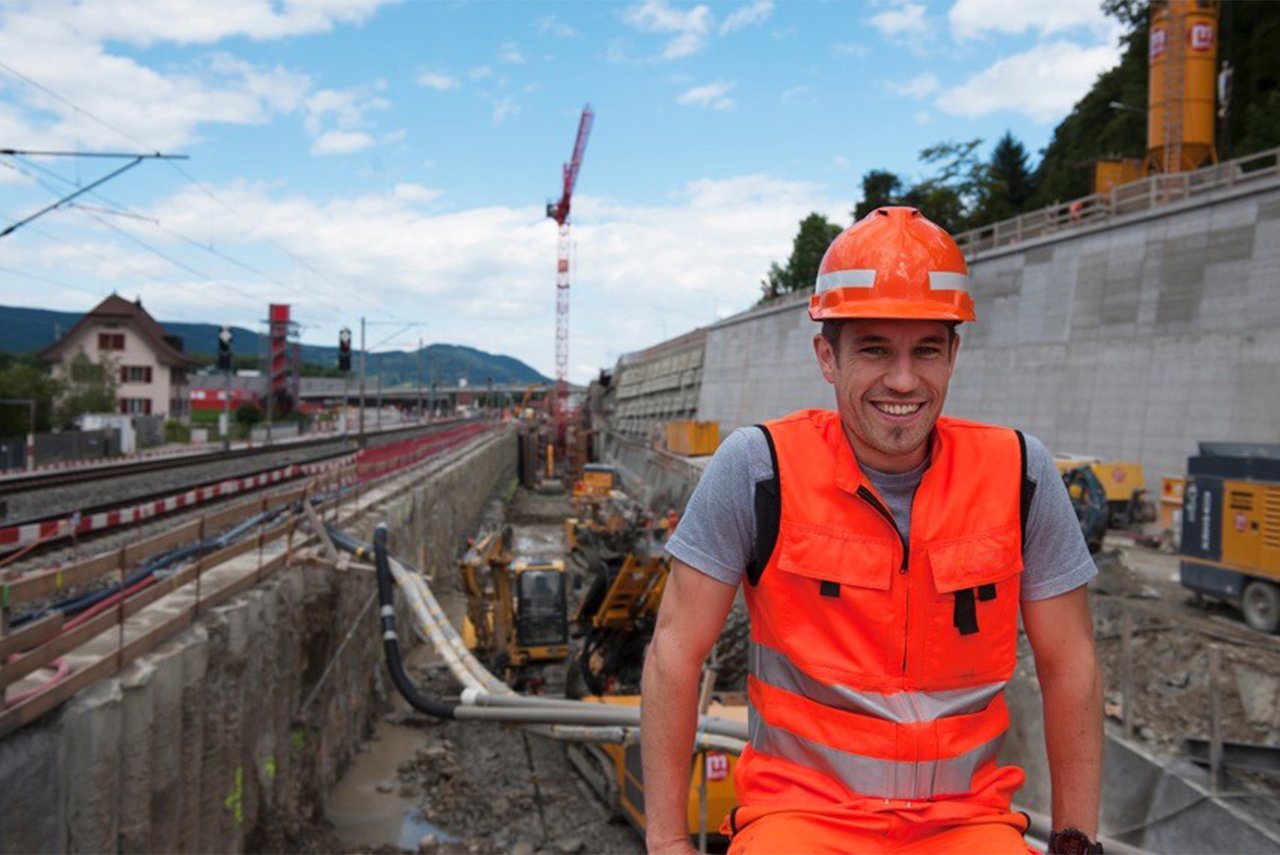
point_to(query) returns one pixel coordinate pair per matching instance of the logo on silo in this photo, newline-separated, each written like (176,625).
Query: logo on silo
(1158,39)
(1200,37)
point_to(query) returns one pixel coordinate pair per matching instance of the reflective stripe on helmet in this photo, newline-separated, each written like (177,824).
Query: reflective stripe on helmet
(940,281)
(771,667)
(871,776)
(846,279)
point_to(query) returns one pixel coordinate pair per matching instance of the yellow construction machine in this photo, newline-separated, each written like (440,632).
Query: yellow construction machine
(1106,495)
(517,608)
(614,625)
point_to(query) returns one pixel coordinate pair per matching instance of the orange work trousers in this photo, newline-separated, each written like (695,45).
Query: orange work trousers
(787,832)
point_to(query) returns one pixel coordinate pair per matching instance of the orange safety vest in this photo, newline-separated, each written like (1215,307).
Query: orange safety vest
(878,664)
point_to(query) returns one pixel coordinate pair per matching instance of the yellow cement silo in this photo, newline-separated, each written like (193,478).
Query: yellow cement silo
(1181,84)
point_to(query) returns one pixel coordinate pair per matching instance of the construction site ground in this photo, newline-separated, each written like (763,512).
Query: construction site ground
(423,785)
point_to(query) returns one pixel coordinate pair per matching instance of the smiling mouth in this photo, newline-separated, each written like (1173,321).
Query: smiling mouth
(907,409)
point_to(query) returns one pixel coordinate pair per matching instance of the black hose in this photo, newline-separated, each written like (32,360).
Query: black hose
(391,642)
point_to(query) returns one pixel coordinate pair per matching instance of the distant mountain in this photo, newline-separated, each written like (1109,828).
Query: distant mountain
(26,330)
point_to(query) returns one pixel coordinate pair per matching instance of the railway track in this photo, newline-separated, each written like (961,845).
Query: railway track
(23,482)
(54,638)
(73,518)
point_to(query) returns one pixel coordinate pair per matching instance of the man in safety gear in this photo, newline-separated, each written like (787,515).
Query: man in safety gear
(885,554)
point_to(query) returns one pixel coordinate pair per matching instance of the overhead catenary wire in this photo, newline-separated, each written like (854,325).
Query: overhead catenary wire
(173,162)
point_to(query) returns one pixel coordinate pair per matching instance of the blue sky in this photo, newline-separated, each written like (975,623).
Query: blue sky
(393,159)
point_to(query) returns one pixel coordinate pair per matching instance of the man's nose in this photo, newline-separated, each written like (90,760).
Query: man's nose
(901,376)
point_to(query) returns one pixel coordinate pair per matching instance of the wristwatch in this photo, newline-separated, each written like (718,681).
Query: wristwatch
(1073,841)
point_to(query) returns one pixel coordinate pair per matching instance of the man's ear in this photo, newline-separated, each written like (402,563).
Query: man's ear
(826,357)
(955,346)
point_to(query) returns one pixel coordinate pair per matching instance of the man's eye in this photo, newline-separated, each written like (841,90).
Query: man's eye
(873,351)
(928,352)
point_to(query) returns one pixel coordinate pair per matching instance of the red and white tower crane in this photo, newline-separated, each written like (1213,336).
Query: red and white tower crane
(559,211)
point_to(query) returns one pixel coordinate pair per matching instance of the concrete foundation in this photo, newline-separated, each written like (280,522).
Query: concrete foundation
(223,736)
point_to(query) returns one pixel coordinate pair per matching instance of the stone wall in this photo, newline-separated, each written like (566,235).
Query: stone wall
(229,736)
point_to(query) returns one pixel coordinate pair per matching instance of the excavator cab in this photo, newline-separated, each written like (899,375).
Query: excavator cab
(541,614)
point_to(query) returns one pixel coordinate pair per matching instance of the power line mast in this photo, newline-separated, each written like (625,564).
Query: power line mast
(559,211)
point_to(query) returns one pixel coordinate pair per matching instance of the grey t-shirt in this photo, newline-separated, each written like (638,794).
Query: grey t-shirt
(717,532)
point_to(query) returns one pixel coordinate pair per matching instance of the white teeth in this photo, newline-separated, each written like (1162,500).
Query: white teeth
(898,409)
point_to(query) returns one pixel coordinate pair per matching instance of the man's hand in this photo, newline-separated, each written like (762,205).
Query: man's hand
(692,614)
(1060,630)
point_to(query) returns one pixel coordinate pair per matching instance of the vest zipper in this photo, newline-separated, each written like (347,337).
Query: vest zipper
(870,498)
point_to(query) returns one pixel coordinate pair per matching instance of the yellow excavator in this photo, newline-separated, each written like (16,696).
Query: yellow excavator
(517,609)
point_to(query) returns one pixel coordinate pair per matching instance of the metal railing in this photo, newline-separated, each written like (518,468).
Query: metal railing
(1141,195)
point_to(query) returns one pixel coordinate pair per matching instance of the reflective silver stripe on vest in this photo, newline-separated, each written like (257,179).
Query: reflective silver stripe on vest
(870,776)
(772,667)
(846,279)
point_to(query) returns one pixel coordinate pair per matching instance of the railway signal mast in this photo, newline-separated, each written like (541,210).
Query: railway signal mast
(559,211)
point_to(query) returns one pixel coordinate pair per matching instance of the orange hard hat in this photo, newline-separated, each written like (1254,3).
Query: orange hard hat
(893,263)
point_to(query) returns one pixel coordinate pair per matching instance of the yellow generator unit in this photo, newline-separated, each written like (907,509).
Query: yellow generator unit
(1231,528)
(1181,84)
(598,480)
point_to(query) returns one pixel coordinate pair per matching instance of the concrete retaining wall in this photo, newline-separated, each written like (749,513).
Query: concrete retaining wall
(238,727)
(1133,340)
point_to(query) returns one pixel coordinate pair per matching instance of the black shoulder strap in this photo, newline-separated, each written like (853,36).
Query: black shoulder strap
(1028,489)
(768,505)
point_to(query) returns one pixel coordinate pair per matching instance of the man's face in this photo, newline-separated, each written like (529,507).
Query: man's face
(890,379)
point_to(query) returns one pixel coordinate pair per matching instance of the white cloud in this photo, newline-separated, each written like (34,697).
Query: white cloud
(972,18)
(920,86)
(711,95)
(341,142)
(552,26)
(801,94)
(902,20)
(1043,82)
(481,72)
(841,163)
(689,29)
(849,49)
(389,254)
(509,52)
(145,22)
(336,118)
(747,15)
(437,81)
(504,108)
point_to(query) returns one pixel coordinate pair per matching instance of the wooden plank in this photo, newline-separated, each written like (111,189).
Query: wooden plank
(225,554)
(136,553)
(163,588)
(29,636)
(287,498)
(29,710)
(227,517)
(244,583)
(46,583)
(45,654)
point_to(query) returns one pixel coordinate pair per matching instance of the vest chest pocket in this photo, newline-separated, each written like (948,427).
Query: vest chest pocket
(972,624)
(831,601)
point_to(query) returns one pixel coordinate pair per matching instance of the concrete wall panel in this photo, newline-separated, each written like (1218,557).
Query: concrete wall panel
(1135,341)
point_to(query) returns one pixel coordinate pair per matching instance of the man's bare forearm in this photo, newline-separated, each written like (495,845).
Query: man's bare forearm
(668,721)
(1073,741)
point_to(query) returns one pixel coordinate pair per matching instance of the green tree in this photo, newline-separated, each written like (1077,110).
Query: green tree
(90,387)
(1006,187)
(879,188)
(812,239)
(23,380)
(248,414)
